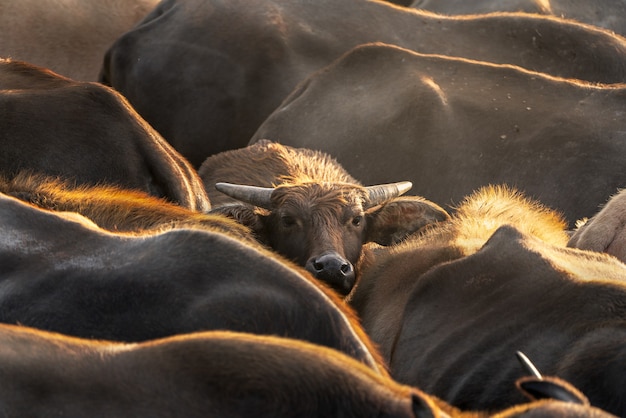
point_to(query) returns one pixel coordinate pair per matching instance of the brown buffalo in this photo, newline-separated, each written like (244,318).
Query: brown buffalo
(70,37)
(88,134)
(304,205)
(218,374)
(449,306)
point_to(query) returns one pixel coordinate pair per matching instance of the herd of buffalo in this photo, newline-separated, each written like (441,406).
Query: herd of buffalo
(313,208)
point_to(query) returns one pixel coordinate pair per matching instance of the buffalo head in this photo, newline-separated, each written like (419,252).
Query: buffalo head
(322,226)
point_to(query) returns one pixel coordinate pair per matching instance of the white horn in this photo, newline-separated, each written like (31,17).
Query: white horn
(257,196)
(383,192)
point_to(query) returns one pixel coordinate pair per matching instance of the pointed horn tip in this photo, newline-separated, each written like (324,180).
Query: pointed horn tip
(221,186)
(404,186)
(227,188)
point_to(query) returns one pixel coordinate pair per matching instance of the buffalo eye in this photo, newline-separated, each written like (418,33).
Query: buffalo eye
(287,221)
(357,220)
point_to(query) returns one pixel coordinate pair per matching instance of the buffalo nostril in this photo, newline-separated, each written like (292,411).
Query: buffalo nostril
(346,268)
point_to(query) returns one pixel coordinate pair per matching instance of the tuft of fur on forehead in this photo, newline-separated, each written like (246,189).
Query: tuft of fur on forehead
(319,194)
(490,207)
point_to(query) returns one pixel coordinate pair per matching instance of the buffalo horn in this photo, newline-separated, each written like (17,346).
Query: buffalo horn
(254,195)
(381,193)
(528,365)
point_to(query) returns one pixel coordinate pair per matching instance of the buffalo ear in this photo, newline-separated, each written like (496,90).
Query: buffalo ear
(550,388)
(243,214)
(398,218)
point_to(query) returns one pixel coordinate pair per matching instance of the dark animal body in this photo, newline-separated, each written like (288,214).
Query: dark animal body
(222,67)
(448,307)
(69,37)
(216,374)
(88,134)
(304,205)
(89,283)
(608,14)
(210,374)
(451,125)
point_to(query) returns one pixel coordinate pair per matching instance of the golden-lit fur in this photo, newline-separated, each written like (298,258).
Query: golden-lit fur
(113,208)
(489,208)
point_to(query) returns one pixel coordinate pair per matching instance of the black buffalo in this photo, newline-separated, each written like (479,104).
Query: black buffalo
(447,307)
(304,205)
(62,273)
(451,125)
(208,374)
(206,73)
(88,134)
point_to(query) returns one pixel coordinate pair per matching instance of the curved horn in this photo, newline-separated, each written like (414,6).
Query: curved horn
(383,192)
(257,196)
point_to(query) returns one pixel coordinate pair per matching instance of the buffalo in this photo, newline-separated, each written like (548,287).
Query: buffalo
(206,73)
(88,134)
(62,273)
(448,306)
(304,205)
(206,374)
(219,374)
